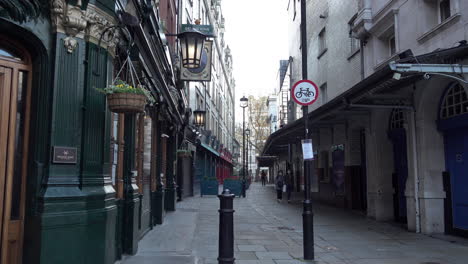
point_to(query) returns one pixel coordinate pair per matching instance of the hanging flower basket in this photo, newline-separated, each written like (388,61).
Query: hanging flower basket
(125,98)
(126,102)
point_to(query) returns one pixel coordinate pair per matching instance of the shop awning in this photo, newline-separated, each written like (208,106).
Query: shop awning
(209,148)
(266,161)
(381,89)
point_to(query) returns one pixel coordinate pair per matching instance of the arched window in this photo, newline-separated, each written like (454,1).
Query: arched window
(455,102)
(397,119)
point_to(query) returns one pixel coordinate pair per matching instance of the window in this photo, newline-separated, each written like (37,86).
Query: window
(323,92)
(444,9)
(354,45)
(437,12)
(455,102)
(397,119)
(322,42)
(392,45)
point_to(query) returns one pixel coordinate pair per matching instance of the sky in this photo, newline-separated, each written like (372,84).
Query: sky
(257,33)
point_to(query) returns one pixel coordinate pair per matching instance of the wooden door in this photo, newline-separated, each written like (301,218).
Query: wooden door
(15,81)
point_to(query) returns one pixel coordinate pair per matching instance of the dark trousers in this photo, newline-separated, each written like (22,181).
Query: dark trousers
(263,181)
(279,194)
(288,191)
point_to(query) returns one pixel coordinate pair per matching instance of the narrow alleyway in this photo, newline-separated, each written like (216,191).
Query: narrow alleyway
(270,233)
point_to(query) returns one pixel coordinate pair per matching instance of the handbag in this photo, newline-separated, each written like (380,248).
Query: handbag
(284,188)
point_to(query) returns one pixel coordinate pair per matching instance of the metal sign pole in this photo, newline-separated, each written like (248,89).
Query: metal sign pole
(307,215)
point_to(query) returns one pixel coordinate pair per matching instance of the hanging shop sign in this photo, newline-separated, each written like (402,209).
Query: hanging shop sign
(202,73)
(204,29)
(305,92)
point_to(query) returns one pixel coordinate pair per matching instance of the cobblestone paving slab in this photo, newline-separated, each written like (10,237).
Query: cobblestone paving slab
(267,232)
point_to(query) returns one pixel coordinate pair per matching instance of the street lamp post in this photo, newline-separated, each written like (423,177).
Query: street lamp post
(243,103)
(247,133)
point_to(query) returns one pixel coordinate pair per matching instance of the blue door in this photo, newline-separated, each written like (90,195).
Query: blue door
(456,155)
(398,137)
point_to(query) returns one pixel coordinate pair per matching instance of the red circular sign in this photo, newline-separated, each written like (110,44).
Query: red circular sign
(305,92)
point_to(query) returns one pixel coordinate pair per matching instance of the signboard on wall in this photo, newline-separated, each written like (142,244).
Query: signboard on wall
(202,73)
(64,155)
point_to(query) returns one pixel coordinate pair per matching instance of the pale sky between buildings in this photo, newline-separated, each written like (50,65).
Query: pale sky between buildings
(257,33)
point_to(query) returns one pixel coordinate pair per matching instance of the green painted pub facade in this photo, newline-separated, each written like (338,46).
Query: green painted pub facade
(82,184)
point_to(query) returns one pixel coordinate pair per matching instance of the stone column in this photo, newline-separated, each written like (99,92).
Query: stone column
(380,167)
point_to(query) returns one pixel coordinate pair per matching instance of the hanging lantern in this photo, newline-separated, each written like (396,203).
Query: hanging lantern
(199,118)
(191,45)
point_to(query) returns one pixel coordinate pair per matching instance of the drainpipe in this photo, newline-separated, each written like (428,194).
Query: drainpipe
(361,44)
(415,171)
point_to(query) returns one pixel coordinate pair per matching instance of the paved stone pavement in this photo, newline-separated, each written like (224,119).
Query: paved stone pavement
(267,232)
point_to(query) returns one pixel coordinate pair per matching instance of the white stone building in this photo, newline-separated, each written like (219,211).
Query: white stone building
(217,96)
(390,139)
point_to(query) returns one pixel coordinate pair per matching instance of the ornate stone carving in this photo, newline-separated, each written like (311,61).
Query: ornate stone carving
(88,24)
(74,21)
(70,44)
(102,29)
(57,11)
(67,18)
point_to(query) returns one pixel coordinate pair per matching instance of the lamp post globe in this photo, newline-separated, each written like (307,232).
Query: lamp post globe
(244,101)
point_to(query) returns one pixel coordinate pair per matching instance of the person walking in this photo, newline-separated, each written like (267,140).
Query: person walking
(279,186)
(289,184)
(263,176)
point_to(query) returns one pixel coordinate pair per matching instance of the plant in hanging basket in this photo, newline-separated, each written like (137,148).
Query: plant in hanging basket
(125,98)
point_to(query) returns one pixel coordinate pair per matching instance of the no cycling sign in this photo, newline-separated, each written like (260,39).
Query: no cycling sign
(305,92)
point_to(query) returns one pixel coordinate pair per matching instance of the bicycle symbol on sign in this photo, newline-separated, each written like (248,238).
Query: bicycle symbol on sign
(306,92)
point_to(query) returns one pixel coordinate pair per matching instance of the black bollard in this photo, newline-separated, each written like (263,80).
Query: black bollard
(226,228)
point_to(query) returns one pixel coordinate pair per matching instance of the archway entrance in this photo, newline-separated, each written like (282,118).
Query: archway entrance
(15,93)
(397,134)
(453,120)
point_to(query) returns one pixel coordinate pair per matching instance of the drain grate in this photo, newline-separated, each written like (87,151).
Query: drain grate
(430,263)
